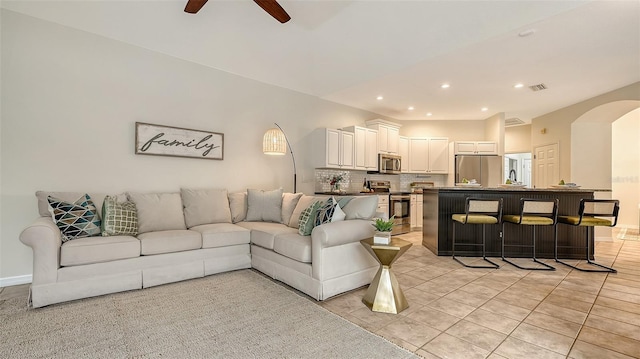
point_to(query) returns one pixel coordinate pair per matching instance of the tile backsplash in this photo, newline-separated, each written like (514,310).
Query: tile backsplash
(354,180)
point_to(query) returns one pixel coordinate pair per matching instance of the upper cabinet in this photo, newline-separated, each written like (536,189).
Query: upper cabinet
(366,147)
(403,151)
(334,148)
(388,135)
(475,148)
(429,155)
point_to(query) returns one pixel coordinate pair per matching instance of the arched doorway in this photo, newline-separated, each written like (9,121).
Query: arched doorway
(594,143)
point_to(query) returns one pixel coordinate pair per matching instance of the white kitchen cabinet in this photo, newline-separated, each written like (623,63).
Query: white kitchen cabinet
(403,151)
(365,148)
(334,148)
(416,210)
(476,148)
(388,135)
(429,155)
(383,204)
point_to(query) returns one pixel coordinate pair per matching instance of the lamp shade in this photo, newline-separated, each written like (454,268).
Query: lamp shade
(274,142)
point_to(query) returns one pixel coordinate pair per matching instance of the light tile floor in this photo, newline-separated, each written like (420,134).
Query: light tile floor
(458,312)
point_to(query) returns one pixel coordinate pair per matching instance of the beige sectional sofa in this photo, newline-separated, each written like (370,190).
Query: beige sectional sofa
(194,233)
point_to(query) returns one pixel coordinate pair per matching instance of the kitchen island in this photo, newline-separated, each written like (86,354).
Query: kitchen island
(440,203)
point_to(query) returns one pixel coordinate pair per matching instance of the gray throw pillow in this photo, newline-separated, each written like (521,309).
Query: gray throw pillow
(238,206)
(205,206)
(158,211)
(289,203)
(361,207)
(264,206)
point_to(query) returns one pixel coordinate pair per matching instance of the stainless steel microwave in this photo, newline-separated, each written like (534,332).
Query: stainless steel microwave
(390,164)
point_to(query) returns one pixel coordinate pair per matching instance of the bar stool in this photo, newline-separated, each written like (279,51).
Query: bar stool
(478,211)
(533,212)
(589,216)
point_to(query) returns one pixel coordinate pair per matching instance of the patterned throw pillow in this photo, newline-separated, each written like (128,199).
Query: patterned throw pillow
(119,218)
(75,220)
(325,212)
(307,218)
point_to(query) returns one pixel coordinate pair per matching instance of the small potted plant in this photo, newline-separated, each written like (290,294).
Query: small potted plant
(383,230)
(335,181)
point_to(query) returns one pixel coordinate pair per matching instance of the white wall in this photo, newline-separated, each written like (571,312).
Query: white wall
(591,154)
(69,103)
(625,169)
(517,139)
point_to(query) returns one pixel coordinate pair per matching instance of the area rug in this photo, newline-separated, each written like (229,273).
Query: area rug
(238,314)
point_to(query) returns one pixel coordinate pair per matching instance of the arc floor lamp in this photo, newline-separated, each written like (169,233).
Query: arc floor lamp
(275,142)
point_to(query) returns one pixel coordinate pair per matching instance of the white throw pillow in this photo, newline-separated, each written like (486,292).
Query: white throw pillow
(158,211)
(338,214)
(303,203)
(238,206)
(264,206)
(289,202)
(361,207)
(205,206)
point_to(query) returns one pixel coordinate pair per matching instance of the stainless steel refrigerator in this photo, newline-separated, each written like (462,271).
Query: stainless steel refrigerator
(486,170)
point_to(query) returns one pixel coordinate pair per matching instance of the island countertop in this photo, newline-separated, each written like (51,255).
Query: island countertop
(439,204)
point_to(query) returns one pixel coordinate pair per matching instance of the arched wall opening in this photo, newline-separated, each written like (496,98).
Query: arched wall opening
(605,154)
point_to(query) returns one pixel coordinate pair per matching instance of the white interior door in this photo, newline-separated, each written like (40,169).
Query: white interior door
(546,162)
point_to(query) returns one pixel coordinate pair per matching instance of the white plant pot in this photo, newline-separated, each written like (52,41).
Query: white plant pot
(381,237)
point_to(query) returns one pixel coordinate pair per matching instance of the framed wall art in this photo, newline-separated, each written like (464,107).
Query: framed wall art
(160,140)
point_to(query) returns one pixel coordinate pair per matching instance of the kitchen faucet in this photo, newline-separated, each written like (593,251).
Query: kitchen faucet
(512,176)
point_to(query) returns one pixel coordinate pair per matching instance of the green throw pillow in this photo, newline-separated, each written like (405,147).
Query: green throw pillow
(75,220)
(308,218)
(119,218)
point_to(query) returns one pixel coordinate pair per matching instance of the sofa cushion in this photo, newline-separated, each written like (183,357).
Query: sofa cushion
(294,246)
(98,249)
(308,218)
(119,218)
(205,206)
(303,203)
(264,233)
(222,234)
(158,211)
(75,219)
(361,207)
(169,241)
(238,206)
(289,202)
(264,206)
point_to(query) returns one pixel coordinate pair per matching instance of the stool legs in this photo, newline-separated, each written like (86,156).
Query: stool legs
(545,265)
(604,269)
(492,266)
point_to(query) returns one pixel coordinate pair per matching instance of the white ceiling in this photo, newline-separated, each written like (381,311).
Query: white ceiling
(352,51)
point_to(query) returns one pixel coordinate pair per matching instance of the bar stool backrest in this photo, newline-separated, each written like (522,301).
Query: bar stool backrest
(490,207)
(599,208)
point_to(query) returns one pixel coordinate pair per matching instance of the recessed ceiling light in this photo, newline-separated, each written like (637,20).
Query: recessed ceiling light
(518,86)
(429,114)
(445,86)
(527,32)
(411,108)
(484,109)
(379,98)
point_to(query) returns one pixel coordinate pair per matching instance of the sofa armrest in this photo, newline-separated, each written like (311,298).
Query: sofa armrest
(342,232)
(45,239)
(336,250)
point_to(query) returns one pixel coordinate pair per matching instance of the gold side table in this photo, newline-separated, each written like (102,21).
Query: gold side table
(384,294)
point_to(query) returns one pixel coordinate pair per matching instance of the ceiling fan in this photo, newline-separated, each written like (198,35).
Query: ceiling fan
(271,6)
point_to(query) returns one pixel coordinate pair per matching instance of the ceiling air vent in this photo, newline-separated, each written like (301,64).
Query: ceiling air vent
(514,121)
(538,87)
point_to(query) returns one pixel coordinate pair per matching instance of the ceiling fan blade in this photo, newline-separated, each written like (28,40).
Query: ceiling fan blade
(193,6)
(274,9)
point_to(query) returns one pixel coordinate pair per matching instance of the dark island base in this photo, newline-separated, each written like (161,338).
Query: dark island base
(437,227)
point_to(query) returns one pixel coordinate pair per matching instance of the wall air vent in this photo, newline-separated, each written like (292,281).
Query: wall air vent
(538,87)
(514,121)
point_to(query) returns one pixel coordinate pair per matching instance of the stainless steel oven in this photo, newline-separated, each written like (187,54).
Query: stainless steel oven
(400,209)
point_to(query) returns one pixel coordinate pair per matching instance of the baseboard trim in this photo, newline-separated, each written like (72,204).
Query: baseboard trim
(17,280)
